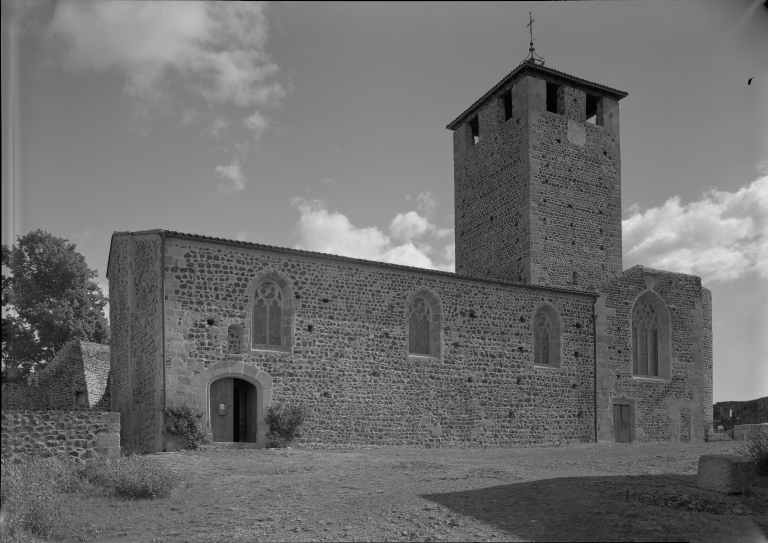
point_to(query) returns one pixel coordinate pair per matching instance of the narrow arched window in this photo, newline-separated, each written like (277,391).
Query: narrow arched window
(546,337)
(234,339)
(419,324)
(542,331)
(267,316)
(645,335)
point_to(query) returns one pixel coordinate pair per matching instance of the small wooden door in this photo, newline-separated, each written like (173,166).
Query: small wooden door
(621,423)
(233,410)
(222,410)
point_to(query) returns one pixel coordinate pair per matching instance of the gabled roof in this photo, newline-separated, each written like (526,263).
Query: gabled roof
(327,256)
(547,73)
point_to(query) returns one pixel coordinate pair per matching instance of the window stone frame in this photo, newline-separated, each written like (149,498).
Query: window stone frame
(555,336)
(288,311)
(664,336)
(436,326)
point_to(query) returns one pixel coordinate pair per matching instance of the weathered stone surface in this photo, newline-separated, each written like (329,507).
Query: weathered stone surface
(728,414)
(538,224)
(712,437)
(728,473)
(79,367)
(80,434)
(743,432)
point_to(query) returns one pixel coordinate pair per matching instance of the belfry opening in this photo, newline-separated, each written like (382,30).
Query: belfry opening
(233,410)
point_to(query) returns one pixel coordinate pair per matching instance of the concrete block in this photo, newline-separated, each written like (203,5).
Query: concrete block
(727,473)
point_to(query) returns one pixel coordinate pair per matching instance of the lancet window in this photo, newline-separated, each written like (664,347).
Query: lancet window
(542,331)
(420,321)
(645,335)
(267,316)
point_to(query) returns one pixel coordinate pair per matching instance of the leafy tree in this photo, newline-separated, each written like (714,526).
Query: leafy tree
(53,299)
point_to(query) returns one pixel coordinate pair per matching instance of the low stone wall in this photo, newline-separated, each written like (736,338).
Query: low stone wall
(81,434)
(742,432)
(749,412)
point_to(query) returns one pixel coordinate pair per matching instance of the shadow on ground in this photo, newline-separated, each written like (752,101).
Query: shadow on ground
(627,508)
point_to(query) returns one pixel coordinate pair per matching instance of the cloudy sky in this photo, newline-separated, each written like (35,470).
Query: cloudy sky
(322,126)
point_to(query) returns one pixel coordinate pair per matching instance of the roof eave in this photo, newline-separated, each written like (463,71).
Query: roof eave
(549,73)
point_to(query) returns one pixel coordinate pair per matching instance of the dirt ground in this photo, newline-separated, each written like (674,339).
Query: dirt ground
(638,492)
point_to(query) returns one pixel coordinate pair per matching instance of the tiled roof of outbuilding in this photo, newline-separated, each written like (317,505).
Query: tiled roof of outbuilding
(173,233)
(527,66)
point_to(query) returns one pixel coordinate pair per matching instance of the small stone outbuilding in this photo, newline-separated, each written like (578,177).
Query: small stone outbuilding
(77,377)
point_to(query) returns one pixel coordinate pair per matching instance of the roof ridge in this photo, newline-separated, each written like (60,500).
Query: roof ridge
(359,261)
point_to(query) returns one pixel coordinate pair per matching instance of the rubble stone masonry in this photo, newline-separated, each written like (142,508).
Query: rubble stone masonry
(80,434)
(538,196)
(349,361)
(676,407)
(537,176)
(79,368)
(136,340)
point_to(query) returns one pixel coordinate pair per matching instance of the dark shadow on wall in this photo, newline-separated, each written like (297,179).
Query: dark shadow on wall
(625,508)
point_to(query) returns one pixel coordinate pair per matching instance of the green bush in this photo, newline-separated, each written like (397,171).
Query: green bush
(285,421)
(133,477)
(756,448)
(186,421)
(30,489)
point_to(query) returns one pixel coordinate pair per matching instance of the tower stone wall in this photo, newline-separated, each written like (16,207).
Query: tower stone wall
(538,192)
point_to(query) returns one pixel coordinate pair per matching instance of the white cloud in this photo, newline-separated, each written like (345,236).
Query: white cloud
(409,225)
(720,237)
(234,174)
(242,235)
(256,123)
(215,50)
(332,232)
(407,255)
(426,203)
(218,126)
(189,117)
(329,181)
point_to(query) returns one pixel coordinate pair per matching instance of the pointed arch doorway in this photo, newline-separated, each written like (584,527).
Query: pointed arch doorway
(233,410)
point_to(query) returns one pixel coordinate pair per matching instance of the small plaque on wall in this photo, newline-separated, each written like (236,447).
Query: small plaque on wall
(222,409)
(576,133)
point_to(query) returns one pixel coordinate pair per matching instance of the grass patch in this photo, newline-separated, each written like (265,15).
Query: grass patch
(756,448)
(33,490)
(133,477)
(30,493)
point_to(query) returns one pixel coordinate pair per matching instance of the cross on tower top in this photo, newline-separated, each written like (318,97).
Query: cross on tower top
(533,58)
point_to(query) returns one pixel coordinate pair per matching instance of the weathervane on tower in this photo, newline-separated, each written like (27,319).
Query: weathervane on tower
(533,58)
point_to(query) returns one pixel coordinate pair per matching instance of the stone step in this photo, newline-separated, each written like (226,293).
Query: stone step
(727,473)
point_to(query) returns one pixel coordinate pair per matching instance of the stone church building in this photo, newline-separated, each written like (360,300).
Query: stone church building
(540,337)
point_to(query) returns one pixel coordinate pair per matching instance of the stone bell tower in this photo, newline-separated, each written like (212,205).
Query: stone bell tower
(537,181)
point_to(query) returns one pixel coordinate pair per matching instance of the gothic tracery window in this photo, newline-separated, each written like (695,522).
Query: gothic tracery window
(542,329)
(267,316)
(645,339)
(420,319)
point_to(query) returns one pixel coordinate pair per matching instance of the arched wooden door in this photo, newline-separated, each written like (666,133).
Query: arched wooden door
(233,410)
